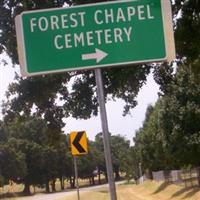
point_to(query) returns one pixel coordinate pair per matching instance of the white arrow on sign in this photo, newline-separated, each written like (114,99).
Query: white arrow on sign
(98,55)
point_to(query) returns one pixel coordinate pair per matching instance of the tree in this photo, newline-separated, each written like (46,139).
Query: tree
(3,135)
(30,137)
(49,170)
(12,160)
(120,152)
(43,91)
(87,163)
(187,32)
(149,142)
(170,134)
(12,163)
(182,111)
(180,117)
(100,159)
(64,162)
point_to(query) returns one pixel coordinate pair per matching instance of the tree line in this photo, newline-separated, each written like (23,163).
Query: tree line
(30,156)
(170,135)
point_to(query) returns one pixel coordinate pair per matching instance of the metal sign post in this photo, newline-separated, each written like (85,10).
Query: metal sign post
(76,176)
(104,123)
(78,143)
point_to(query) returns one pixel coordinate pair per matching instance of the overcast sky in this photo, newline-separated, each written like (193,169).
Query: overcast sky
(118,124)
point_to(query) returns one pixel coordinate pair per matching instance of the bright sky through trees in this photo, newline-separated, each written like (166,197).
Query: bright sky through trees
(118,124)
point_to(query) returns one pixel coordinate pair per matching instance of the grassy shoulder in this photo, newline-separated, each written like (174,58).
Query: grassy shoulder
(150,190)
(166,191)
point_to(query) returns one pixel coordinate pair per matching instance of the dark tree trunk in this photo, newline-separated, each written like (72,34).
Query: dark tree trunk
(117,176)
(198,175)
(47,187)
(90,182)
(72,182)
(27,189)
(93,182)
(62,184)
(53,185)
(149,174)
(99,176)
(106,176)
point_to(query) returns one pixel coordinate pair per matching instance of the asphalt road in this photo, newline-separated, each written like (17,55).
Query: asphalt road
(58,195)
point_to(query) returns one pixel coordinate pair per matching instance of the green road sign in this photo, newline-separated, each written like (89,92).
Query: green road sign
(94,35)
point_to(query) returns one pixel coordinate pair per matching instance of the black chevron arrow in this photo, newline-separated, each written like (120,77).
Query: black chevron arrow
(77,140)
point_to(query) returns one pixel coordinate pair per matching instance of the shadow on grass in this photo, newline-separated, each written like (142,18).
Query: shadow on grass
(161,187)
(181,191)
(14,195)
(191,193)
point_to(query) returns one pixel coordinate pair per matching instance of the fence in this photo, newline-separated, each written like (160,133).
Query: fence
(188,177)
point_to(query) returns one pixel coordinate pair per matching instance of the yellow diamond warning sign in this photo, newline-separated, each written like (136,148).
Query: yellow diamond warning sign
(78,142)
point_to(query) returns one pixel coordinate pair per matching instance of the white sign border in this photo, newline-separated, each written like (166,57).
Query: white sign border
(168,37)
